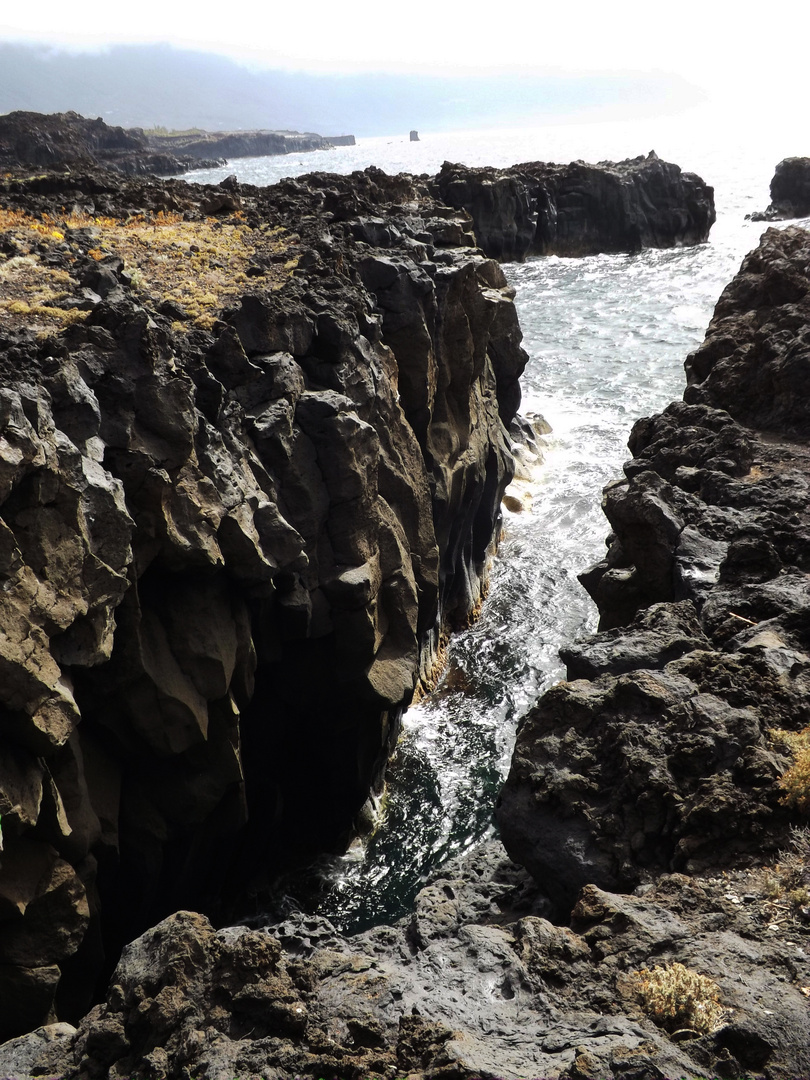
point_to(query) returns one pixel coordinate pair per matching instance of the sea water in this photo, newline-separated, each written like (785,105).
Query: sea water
(607,337)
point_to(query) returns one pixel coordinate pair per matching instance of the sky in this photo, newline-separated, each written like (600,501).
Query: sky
(728,51)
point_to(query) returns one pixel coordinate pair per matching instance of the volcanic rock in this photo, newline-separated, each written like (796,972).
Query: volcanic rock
(539,208)
(664,753)
(37,140)
(476,983)
(755,360)
(790,191)
(238,515)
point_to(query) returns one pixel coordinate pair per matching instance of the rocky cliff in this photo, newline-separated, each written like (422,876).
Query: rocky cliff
(253,451)
(38,140)
(544,209)
(236,144)
(660,937)
(790,191)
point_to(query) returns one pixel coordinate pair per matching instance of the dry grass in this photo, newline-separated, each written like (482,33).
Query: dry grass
(675,997)
(789,880)
(199,265)
(795,781)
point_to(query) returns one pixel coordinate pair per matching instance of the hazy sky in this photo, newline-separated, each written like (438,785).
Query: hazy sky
(723,48)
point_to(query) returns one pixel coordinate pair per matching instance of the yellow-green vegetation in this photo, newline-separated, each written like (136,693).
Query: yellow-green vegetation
(795,782)
(199,265)
(675,997)
(29,289)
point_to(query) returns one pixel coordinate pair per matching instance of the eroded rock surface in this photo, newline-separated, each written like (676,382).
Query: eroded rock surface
(663,752)
(235,521)
(477,983)
(539,208)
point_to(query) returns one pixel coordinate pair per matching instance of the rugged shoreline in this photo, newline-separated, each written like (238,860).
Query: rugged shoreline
(478,982)
(36,140)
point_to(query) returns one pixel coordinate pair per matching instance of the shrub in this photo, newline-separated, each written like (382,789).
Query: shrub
(795,781)
(675,997)
(794,869)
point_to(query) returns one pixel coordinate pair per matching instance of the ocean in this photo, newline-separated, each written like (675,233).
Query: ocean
(607,337)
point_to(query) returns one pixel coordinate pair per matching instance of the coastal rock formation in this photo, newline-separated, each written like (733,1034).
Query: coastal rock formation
(236,144)
(665,752)
(248,478)
(543,209)
(790,191)
(55,140)
(37,140)
(476,983)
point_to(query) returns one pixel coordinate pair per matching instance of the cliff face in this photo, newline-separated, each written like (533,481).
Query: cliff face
(234,525)
(236,144)
(664,751)
(543,209)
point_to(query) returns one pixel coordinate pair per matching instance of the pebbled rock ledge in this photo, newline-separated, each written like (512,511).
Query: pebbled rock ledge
(477,984)
(543,209)
(240,503)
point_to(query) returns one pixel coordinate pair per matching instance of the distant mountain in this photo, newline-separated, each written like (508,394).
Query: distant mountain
(150,85)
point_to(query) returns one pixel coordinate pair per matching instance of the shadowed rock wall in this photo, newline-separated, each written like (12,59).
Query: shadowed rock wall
(229,553)
(790,191)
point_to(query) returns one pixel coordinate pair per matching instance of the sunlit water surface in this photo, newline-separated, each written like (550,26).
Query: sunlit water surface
(607,337)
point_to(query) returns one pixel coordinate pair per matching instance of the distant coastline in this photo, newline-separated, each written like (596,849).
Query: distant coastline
(55,140)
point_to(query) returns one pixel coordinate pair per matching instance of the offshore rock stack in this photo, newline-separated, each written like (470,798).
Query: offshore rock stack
(790,191)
